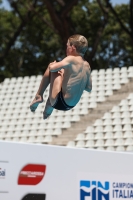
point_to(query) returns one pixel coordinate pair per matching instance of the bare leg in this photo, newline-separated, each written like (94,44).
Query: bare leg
(55,87)
(39,95)
(56,79)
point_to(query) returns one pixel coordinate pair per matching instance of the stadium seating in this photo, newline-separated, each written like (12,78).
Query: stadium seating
(112,132)
(114,129)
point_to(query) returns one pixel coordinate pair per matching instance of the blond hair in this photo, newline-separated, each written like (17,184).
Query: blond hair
(80,43)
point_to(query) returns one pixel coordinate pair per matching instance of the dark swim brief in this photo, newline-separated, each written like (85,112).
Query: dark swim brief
(60,104)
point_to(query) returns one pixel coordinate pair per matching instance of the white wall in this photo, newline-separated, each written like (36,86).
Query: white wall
(65,169)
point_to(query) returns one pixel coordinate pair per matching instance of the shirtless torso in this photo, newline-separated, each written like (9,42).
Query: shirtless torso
(76,78)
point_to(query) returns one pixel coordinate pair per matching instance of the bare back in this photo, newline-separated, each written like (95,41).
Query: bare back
(75,80)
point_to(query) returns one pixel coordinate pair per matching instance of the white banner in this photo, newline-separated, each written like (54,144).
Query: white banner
(44,172)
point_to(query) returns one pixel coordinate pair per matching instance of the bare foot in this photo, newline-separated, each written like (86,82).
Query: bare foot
(34,104)
(48,110)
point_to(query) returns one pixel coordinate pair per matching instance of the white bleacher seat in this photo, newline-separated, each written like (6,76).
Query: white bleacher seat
(39,77)
(109,71)
(117,121)
(27,127)
(84,105)
(47,139)
(128,134)
(40,139)
(101,99)
(45,132)
(93,94)
(109,135)
(116,78)
(17,133)
(110,148)
(119,142)
(101,84)
(100,148)
(117,128)
(130,102)
(7,80)
(120,148)
(126,121)
(66,125)
(115,109)
(94,72)
(24,133)
(16,139)
(9,134)
(30,133)
(130,96)
(93,105)
(39,132)
(98,129)
(124,108)
(31,139)
(80,144)
(8,139)
(89,129)
(118,134)
(3,135)
(131,115)
(99,136)
(123,102)
(123,70)
(107,122)
(127,127)
(109,143)
(129,148)
(90,144)
(131,108)
(116,115)
(32,78)
(124,80)
(116,70)
(57,131)
(108,129)
(89,136)
(10,128)
(125,114)
(71,144)
(129,141)
(98,122)
(130,75)
(84,111)
(109,93)
(116,86)
(107,115)
(99,143)
(13,80)
(108,83)
(75,118)
(80,137)
(101,71)
(23,139)
(92,99)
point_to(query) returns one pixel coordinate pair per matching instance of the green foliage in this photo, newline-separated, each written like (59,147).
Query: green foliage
(38,44)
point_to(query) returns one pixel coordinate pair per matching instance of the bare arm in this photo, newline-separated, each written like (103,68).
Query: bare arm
(88,87)
(56,66)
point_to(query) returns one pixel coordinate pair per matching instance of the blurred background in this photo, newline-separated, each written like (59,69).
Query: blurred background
(34,33)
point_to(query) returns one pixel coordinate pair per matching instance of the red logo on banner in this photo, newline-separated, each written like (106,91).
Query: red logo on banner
(31,174)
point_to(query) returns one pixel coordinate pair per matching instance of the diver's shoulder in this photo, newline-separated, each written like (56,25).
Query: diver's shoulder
(87,65)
